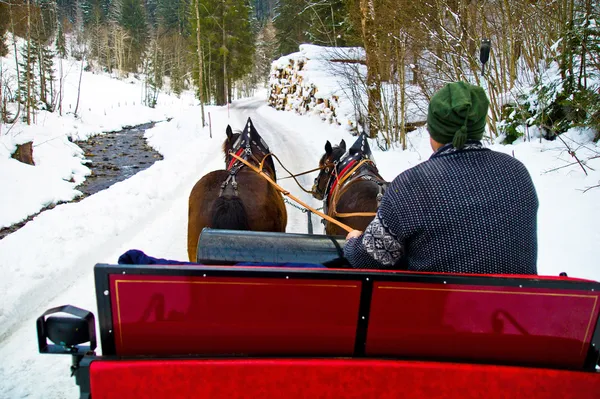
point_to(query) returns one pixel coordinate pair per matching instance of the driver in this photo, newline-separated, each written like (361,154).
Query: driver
(467,209)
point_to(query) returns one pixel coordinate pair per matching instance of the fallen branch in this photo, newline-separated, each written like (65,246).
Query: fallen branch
(573,154)
(589,188)
(570,164)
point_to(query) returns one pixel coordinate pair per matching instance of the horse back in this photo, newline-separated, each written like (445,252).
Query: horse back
(262,204)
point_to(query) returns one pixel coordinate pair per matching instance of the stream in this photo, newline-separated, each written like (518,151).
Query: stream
(112,157)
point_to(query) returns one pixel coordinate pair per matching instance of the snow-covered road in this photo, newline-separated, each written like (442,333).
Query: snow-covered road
(70,239)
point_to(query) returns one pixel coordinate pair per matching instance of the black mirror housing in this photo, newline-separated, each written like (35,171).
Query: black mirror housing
(66,333)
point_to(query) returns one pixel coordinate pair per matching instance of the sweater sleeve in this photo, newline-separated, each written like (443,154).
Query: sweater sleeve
(376,248)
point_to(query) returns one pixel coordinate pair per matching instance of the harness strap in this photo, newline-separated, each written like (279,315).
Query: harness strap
(379,197)
(336,188)
(233,160)
(339,184)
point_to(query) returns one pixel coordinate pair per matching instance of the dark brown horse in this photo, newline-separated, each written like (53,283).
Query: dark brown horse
(237,198)
(348,184)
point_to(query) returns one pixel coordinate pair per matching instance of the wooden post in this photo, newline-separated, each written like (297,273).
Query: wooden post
(209,125)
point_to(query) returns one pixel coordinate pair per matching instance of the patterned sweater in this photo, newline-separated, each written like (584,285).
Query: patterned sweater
(463,211)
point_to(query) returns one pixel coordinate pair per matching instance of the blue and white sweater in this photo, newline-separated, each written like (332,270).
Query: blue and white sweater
(463,211)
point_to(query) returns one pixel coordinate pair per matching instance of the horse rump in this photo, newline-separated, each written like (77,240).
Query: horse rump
(229,214)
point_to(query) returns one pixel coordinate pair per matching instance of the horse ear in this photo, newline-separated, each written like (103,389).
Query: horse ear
(229,132)
(343,144)
(328,149)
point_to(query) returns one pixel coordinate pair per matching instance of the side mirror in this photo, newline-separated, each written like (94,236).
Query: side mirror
(67,333)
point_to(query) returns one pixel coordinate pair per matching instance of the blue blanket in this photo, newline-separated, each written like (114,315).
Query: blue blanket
(137,257)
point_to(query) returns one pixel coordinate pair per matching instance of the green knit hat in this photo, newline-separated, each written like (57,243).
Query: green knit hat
(457,113)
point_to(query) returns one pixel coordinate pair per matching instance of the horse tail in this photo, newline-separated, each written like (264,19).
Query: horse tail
(229,214)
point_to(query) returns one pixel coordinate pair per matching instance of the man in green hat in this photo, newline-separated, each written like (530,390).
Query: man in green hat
(465,210)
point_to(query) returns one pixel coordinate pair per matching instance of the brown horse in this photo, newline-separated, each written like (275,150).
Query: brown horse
(237,198)
(348,184)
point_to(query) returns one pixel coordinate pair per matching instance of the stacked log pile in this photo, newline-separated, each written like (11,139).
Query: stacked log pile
(295,81)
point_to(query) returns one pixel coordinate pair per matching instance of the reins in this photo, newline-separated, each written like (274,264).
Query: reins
(298,174)
(284,168)
(287,193)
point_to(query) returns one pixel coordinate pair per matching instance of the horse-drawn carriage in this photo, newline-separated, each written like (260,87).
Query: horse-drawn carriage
(295,323)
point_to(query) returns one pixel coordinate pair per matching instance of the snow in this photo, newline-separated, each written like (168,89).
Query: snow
(49,261)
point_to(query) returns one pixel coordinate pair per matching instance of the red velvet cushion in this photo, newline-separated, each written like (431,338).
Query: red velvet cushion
(332,378)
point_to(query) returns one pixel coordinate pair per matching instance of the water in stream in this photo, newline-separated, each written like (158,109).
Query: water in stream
(113,157)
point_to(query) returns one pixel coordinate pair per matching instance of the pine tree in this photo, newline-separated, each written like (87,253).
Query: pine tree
(328,23)
(263,10)
(29,88)
(173,15)
(227,44)
(291,23)
(242,27)
(61,41)
(133,20)
(153,68)
(266,48)
(46,74)
(92,11)
(151,11)
(67,10)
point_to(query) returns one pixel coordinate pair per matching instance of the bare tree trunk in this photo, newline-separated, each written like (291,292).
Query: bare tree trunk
(402,82)
(2,107)
(367,17)
(28,100)
(200,63)
(12,27)
(79,85)
(209,79)
(60,88)
(333,26)
(225,90)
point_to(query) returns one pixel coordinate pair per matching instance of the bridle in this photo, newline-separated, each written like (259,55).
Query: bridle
(344,172)
(328,170)
(242,148)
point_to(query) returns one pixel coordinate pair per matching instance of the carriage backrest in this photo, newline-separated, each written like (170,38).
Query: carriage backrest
(237,311)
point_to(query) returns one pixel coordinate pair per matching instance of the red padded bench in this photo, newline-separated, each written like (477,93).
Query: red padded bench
(399,333)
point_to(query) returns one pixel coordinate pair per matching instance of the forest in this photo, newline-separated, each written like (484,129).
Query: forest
(223,49)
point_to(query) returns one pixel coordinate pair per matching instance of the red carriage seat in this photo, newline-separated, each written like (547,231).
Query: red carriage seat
(343,333)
